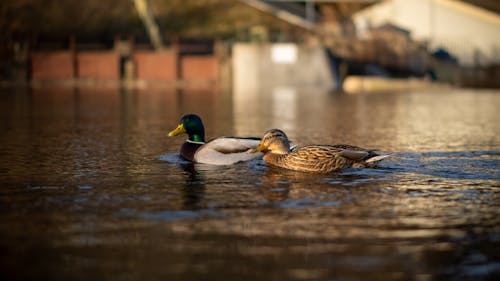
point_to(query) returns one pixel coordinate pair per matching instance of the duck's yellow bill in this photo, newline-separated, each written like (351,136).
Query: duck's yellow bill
(177,131)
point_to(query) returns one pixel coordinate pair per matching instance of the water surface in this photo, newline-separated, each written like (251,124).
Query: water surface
(93,189)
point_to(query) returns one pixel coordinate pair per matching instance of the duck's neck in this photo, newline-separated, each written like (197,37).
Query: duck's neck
(274,158)
(197,137)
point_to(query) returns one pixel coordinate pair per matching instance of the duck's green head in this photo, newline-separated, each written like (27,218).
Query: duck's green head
(191,125)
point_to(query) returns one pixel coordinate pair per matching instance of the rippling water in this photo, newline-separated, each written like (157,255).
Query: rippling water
(93,189)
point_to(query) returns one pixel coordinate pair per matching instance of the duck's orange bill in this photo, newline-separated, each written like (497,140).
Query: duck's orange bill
(259,148)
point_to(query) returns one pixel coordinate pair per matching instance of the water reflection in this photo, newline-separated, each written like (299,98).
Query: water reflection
(411,121)
(284,101)
(194,189)
(89,179)
(278,107)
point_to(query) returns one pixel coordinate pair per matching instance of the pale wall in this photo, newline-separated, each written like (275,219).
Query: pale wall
(469,32)
(267,65)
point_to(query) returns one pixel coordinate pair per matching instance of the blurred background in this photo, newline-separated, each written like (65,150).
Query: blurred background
(332,43)
(92,188)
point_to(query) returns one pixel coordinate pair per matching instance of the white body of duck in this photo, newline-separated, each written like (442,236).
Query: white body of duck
(219,151)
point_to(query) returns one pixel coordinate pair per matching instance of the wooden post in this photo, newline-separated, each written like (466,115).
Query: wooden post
(144,10)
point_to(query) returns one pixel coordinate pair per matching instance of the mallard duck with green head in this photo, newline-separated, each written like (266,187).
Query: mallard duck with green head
(219,151)
(313,158)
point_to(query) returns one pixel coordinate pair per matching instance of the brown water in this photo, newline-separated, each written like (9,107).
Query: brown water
(93,189)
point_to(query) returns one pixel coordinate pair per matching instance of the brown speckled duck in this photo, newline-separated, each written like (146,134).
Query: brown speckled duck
(313,158)
(219,151)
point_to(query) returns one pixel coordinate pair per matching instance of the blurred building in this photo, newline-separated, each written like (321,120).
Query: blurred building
(196,40)
(465,30)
